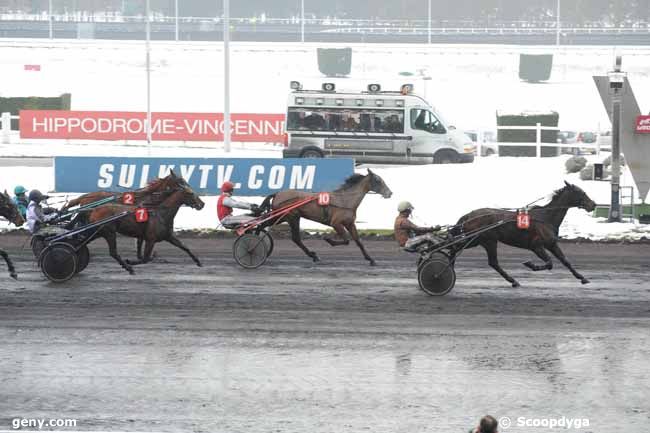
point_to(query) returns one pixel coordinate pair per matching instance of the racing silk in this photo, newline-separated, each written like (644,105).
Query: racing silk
(226,203)
(404,229)
(21,204)
(35,217)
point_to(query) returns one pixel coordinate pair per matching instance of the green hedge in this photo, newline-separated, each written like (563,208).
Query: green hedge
(15,104)
(335,62)
(527,136)
(535,67)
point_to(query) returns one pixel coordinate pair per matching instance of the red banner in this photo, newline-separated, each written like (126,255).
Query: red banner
(643,124)
(125,125)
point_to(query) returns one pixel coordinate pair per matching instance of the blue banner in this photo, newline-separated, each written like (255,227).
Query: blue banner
(251,176)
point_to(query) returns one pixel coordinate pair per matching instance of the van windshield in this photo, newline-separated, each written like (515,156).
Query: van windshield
(345,120)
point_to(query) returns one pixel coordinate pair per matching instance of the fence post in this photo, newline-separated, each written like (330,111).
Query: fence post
(538,140)
(6,127)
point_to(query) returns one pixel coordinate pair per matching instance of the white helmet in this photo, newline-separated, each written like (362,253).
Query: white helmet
(404,206)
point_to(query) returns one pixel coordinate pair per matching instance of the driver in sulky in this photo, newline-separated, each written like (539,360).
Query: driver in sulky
(227,202)
(405,229)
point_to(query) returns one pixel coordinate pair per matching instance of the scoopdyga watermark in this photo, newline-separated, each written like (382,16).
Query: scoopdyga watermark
(563,422)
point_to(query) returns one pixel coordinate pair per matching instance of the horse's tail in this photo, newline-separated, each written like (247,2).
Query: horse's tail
(267,203)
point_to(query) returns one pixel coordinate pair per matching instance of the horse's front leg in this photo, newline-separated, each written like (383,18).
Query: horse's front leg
(177,243)
(294,224)
(490,246)
(147,257)
(10,265)
(111,240)
(340,231)
(542,254)
(557,252)
(352,228)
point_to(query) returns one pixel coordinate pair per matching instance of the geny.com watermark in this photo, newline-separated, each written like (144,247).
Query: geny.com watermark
(562,422)
(18,423)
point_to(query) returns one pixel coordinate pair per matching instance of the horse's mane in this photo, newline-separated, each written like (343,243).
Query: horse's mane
(351,181)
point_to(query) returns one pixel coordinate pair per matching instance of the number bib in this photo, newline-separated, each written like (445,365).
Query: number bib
(141,215)
(128,198)
(523,220)
(323,198)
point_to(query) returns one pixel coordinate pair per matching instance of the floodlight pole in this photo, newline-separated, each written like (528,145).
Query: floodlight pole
(557,24)
(617,87)
(148,67)
(51,24)
(302,20)
(429,23)
(176,17)
(226,75)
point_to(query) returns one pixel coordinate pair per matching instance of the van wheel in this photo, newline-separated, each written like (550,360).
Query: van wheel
(445,157)
(311,153)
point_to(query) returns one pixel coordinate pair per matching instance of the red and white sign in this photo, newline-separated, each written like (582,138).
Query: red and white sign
(323,198)
(128,198)
(523,220)
(125,125)
(643,124)
(33,68)
(141,215)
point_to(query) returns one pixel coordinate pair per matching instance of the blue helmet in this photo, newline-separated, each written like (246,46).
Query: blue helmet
(37,196)
(19,189)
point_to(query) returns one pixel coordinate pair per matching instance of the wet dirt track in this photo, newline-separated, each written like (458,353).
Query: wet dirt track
(334,346)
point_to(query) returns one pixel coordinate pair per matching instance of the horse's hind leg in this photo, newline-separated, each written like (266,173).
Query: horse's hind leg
(177,243)
(340,230)
(146,258)
(491,250)
(557,252)
(10,265)
(111,240)
(352,228)
(294,224)
(542,254)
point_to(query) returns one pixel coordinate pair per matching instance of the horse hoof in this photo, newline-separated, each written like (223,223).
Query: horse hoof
(516,284)
(199,264)
(529,265)
(585,281)
(373,263)
(315,258)
(130,271)
(14,276)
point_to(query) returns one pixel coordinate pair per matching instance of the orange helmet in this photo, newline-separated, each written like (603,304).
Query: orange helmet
(227,186)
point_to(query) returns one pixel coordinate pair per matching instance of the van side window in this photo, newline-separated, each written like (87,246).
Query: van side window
(345,120)
(424,120)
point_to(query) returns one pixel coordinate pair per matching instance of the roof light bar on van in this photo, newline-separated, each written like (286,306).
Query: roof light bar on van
(295,85)
(300,100)
(359,102)
(374,88)
(379,102)
(339,101)
(320,101)
(328,87)
(399,102)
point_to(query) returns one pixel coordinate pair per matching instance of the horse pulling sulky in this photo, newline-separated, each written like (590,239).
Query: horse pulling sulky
(10,212)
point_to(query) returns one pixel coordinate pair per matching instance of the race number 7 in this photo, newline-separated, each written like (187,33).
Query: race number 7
(141,215)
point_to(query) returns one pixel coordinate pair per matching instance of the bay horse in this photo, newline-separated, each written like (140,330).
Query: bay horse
(9,210)
(158,227)
(340,214)
(542,234)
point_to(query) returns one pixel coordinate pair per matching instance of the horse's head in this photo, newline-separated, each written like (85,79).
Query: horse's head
(190,198)
(9,210)
(576,197)
(378,185)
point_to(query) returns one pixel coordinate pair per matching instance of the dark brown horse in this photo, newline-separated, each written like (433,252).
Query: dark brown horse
(159,226)
(341,213)
(541,236)
(9,210)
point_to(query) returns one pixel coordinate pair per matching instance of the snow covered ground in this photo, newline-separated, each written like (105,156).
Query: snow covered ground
(469,84)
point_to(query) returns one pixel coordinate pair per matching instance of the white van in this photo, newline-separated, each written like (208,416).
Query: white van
(371,127)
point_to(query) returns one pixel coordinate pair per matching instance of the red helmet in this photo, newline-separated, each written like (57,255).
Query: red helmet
(227,186)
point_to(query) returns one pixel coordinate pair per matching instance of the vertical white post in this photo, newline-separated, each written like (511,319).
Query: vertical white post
(557,24)
(429,23)
(49,11)
(479,143)
(538,140)
(148,67)
(176,16)
(6,127)
(226,75)
(302,20)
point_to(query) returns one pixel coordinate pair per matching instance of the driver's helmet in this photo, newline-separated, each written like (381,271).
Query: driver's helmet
(227,186)
(404,206)
(37,196)
(19,189)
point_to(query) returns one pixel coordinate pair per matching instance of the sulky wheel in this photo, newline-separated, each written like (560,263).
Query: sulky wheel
(250,251)
(83,258)
(38,245)
(436,275)
(268,240)
(58,262)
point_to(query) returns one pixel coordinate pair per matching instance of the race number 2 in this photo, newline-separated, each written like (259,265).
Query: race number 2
(141,215)
(128,198)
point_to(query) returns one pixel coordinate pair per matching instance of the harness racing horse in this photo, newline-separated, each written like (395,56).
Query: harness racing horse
(9,210)
(340,214)
(158,227)
(542,234)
